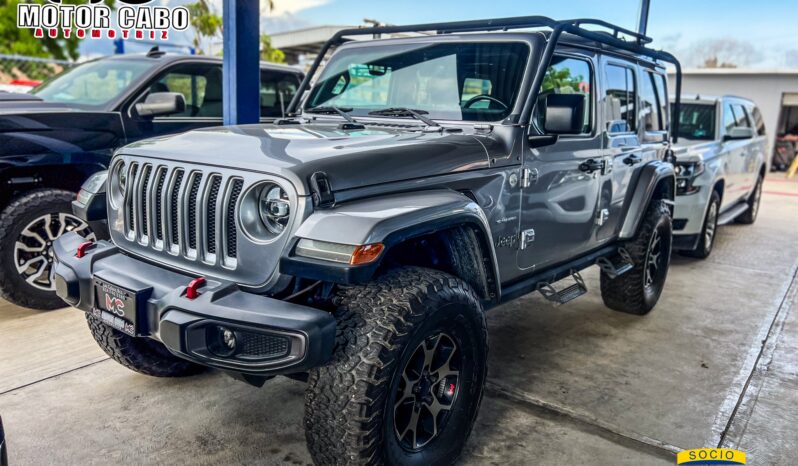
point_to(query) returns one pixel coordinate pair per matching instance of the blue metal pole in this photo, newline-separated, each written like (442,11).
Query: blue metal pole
(241,69)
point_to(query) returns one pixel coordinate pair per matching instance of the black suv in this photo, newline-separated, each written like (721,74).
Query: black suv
(358,243)
(54,138)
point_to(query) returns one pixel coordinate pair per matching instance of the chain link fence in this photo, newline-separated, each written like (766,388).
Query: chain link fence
(19,68)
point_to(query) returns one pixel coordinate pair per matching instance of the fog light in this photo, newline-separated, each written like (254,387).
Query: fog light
(229,338)
(222,341)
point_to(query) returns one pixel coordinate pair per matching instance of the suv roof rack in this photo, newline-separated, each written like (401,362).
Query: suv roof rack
(571,26)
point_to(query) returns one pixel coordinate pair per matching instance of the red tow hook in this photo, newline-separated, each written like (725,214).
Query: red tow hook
(83,248)
(193,287)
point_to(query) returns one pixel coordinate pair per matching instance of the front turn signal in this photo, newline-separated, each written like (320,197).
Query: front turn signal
(366,254)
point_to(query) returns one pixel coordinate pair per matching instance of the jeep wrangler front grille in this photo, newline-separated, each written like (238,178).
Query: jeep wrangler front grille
(200,219)
(184,215)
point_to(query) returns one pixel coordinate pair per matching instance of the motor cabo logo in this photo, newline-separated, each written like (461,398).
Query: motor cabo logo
(96,20)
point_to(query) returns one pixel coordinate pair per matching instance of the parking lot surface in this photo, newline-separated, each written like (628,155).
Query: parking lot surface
(713,364)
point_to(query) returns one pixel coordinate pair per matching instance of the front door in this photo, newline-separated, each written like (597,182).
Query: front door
(560,189)
(201,86)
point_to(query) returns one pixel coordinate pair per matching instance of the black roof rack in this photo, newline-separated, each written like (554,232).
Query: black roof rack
(572,26)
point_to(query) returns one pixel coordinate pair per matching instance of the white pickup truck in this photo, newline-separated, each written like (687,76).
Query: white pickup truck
(720,166)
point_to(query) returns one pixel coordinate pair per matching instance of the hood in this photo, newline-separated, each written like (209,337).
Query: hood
(689,150)
(29,127)
(350,158)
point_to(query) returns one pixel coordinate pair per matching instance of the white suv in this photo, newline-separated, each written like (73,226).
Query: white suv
(720,166)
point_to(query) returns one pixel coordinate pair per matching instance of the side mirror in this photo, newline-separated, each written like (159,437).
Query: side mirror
(739,132)
(161,103)
(564,114)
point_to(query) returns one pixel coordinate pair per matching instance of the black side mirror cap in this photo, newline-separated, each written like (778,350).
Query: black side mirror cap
(564,114)
(536,140)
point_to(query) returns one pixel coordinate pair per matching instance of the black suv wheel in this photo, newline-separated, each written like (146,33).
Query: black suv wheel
(28,227)
(708,231)
(406,380)
(637,291)
(749,216)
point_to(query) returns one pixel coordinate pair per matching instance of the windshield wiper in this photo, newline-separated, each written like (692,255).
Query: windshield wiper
(403,111)
(332,110)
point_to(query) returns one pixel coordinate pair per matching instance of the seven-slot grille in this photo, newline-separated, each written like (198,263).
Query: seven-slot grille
(186,212)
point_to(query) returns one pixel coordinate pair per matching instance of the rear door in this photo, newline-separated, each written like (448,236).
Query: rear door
(735,152)
(558,207)
(622,151)
(757,147)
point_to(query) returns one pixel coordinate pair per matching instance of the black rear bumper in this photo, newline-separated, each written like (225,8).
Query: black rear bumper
(290,337)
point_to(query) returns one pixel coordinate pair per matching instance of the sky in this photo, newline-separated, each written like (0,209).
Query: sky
(749,34)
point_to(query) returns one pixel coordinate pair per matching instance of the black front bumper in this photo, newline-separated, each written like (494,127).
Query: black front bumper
(291,338)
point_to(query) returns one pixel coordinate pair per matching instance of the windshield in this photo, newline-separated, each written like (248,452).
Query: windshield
(94,84)
(697,121)
(458,81)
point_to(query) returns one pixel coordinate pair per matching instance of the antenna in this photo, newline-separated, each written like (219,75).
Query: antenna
(642,24)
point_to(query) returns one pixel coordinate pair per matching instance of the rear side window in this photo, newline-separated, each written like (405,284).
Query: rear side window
(759,122)
(651,104)
(621,95)
(729,120)
(741,116)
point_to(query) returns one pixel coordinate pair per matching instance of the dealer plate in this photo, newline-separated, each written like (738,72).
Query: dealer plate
(115,306)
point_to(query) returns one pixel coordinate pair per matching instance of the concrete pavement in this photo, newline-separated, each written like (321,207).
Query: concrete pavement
(713,364)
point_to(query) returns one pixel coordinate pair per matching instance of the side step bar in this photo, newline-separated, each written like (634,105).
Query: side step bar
(577,289)
(614,266)
(727,217)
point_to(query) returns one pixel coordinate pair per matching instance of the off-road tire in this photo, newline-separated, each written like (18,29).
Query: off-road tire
(13,220)
(347,415)
(140,354)
(628,293)
(703,250)
(749,216)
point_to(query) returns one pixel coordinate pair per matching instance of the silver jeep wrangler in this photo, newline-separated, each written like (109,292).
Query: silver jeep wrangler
(358,243)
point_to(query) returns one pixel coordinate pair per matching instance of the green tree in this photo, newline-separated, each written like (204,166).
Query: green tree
(205,21)
(269,53)
(14,40)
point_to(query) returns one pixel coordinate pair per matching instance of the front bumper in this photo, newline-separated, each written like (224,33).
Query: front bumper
(291,338)
(690,211)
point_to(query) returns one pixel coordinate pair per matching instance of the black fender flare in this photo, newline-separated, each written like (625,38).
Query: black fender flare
(650,177)
(390,220)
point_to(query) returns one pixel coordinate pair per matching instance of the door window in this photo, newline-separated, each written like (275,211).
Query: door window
(741,116)
(662,96)
(568,76)
(621,95)
(729,119)
(759,122)
(276,91)
(651,106)
(201,86)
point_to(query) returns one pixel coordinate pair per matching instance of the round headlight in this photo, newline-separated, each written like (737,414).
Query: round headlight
(117,183)
(274,208)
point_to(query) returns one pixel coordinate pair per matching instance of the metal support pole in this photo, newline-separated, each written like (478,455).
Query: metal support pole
(642,24)
(241,68)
